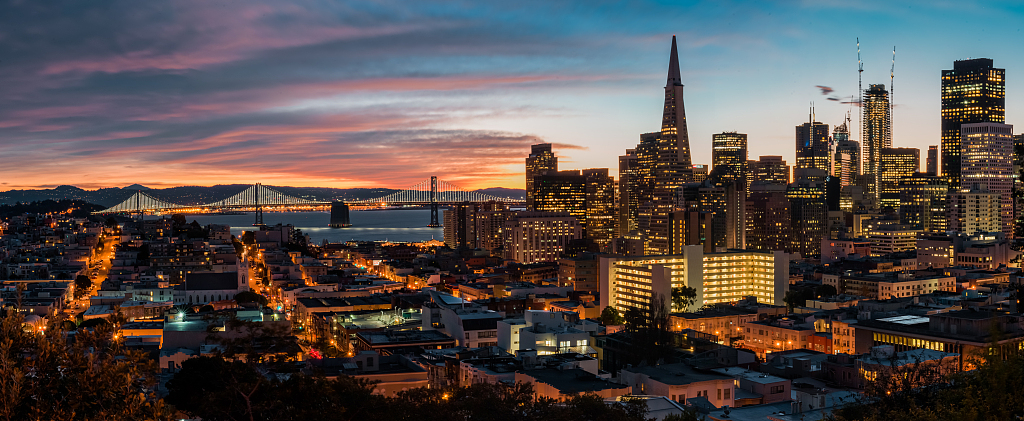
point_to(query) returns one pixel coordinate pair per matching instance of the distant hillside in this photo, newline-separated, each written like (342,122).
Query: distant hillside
(77,208)
(518,194)
(192,195)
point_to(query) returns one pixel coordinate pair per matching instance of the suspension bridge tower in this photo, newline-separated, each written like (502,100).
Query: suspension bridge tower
(433,202)
(259,207)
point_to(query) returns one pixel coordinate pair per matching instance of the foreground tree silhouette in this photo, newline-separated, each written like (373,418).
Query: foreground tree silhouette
(45,376)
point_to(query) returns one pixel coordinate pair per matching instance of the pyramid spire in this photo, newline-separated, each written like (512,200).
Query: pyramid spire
(673,66)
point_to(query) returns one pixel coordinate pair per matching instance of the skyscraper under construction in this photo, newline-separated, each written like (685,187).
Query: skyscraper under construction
(877,134)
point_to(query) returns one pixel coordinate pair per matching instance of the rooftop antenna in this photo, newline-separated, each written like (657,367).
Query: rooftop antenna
(892,73)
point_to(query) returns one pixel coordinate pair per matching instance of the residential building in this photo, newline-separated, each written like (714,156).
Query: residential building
(532,237)
(680,382)
(632,282)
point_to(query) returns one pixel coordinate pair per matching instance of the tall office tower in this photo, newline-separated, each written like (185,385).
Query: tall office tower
(877,133)
(710,200)
(846,164)
(770,169)
(600,206)
(540,161)
(933,160)
(640,186)
(1018,184)
(812,147)
(923,202)
(808,214)
(673,167)
(700,173)
(562,191)
(986,163)
(767,217)
(460,226)
(736,216)
(973,92)
(729,159)
(629,198)
(894,164)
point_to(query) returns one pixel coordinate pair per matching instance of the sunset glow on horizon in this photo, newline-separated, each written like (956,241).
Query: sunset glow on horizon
(385,94)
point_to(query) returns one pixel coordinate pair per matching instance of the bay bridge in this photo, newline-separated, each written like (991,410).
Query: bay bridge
(257,198)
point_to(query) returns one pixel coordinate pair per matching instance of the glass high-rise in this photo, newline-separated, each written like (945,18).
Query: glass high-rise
(877,133)
(540,162)
(812,147)
(895,164)
(972,92)
(729,158)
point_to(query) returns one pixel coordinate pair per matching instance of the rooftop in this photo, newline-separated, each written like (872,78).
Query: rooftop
(676,374)
(572,380)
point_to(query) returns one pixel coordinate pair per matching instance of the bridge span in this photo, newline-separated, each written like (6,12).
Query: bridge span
(257,198)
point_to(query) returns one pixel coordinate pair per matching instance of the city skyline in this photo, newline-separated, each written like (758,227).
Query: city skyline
(381,95)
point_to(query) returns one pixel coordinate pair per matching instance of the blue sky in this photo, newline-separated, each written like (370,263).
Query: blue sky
(387,93)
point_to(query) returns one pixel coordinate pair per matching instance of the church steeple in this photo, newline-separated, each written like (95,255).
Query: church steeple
(673,66)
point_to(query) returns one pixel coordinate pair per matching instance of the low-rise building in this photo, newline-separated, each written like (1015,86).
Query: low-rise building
(680,382)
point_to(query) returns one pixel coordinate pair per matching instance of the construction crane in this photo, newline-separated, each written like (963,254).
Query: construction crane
(860,89)
(892,102)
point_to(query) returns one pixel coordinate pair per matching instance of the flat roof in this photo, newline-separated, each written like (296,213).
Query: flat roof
(572,380)
(677,374)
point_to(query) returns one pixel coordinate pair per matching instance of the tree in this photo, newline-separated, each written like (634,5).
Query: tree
(611,317)
(825,291)
(82,285)
(683,297)
(43,376)
(111,222)
(251,297)
(178,220)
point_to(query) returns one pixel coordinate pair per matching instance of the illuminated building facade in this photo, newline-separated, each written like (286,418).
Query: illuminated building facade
(846,163)
(768,217)
(923,202)
(460,226)
(541,161)
(636,185)
(893,165)
(588,195)
(673,165)
(632,282)
(986,162)
(599,225)
(770,169)
(974,211)
(700,173)
(877,134)
(972,92)
(932,165)
(532,237)
(562,191)
(892,238)
(729,158)
(808,214)
(812,147)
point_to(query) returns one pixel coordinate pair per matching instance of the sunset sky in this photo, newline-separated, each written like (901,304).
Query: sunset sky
(387,93)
